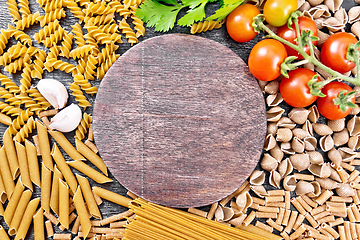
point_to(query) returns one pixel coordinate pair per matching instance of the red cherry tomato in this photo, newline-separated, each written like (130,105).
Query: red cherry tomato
(325,104)
(305,23)
(265,59)
(334,49)
(294,89)
(277,12)
(238,23)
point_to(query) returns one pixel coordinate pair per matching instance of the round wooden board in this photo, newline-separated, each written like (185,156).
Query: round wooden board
(180,121)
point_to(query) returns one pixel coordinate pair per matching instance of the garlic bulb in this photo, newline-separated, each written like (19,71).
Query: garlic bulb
(67,119)
(54,92)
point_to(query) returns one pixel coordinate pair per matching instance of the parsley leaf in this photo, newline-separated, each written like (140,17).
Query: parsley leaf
(157,15)
(193,15)
(162,14)
(227,7)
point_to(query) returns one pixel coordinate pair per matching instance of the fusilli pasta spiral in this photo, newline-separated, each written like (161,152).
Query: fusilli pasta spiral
(90,67)
(78,35)
(27,21)
(10,110)
(99,8)
(79,96)
(80,52)
(66,45)
(38,65)
(104,67)
(83,127)
(9,84)
(13,9)
(29,103)
(18,64)
(75,9)
(24,8)
(46,31)
(25,81)
(36,96)
(128,32)
(99,35)
(25,131)
(205,26)
(20,35)
(9,97)
(20,121)
(138,26)
(59,64)
(84,84)
(53,5)
(4,39)
(51,16)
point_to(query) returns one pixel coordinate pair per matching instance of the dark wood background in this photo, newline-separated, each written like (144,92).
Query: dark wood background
(218,35)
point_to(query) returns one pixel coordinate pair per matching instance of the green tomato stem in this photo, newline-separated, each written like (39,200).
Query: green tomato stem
(310,58)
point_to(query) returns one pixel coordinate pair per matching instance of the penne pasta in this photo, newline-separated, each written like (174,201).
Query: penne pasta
(23,165)
(66,145)
(91,156)
(54,196)
(6,173)
(89,197)
(44,145)
(33,162)
(82,212)
(89,171)
(13,202)
(10,151)
(264,226)
(64,168)
(39,230)
(27,219)
(45,188)
(249,218)
(19,212)
(3,234)
(111,196)
(3,195)
(64,204)
(274,225)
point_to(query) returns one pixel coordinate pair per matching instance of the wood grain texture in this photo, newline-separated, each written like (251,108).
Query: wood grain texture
(180,121)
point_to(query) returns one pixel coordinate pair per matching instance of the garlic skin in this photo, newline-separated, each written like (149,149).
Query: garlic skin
(67,119)
(54,92)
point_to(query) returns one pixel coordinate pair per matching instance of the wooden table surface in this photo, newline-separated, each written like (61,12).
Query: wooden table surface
(220,35)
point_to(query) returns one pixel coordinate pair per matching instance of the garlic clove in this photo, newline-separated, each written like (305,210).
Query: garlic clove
(54,92)
(67,119)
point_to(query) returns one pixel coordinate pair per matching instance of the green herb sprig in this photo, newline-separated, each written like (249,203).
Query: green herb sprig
(162,14)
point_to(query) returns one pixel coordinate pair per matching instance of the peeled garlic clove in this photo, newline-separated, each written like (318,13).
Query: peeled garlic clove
(67,119)
(54,92)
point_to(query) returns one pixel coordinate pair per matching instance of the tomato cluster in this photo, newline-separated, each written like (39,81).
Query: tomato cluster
(267,56)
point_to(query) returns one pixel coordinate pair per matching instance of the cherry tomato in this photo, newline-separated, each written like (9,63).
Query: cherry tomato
(238,22)
(277,12)
(294,89)
(325,104)
(334,49)
(265,59)
(305,23)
